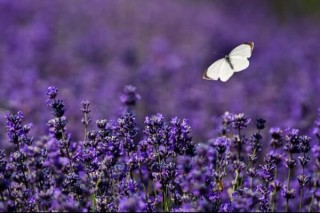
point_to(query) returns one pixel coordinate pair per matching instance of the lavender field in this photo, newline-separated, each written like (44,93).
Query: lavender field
(103,107)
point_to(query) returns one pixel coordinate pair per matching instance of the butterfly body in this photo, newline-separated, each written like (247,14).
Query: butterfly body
(236,61)
(229,61)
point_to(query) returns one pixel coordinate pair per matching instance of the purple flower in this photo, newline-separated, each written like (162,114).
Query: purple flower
(255,142)
(240,121)
(273,157)
(264,195)
(85,107)
(303,180)
(304,160)
(18,133)
(156,130)
(14,127)
(277,185)
(305,144)
(129,188)
(128,130)
(288,193)
(277,137)
(131,204)
(101,124)
(86,110)
(226,207)
(226,122)
(221,144)
(52,92)
(179,135)
(130,98)
(57,127)
(292,141)
(267,172)
(58,109)
(260,123)
(291,163)
(130,95)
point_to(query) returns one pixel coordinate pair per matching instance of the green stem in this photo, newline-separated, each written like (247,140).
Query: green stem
(21,164)
(165,199)
(301,191)
(235,181)
(239,153)
(247,168)
(67,148)
(85,127)
(301,195)
(274,201)
(288,186)
(274,194)
(94,201)
(157,151)
(25,179)
(289,174)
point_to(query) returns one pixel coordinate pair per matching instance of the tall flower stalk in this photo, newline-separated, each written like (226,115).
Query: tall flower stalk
(292,142)
(303,179)
(239,122)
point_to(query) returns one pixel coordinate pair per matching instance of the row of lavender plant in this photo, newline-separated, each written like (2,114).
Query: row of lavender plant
(117,167)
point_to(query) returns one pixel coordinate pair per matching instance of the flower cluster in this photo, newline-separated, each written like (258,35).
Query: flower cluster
(121,166)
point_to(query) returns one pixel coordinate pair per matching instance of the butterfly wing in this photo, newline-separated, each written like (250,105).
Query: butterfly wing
(239,63)
(239,56)
(226,72)
(212,73)
(219,69)
(243,50)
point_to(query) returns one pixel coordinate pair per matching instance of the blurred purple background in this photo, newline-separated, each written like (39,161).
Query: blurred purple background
(91,49)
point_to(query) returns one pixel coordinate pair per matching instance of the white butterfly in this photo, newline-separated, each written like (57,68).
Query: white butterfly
(236,61)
